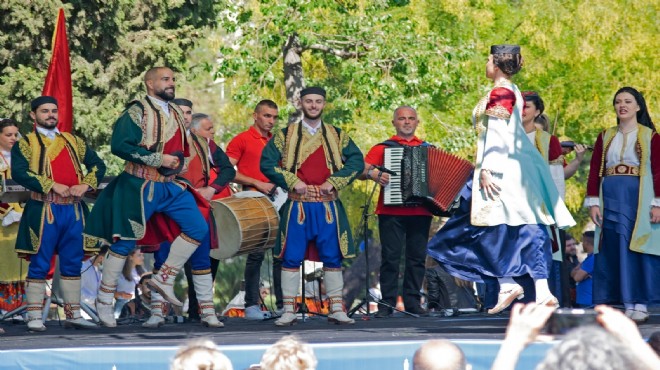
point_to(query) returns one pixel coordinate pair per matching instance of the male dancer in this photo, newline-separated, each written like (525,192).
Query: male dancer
(313,161)
(244,152)
(150,136)
(206,157)
(49,163)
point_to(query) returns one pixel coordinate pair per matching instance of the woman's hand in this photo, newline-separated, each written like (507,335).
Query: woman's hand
(655,215)
(488,185)
(596,217)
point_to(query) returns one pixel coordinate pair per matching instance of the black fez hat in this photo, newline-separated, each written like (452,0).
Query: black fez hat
(182,101)
(505,49)
(313,90)
(45,99)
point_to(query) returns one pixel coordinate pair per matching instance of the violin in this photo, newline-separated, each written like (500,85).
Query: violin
(572,144)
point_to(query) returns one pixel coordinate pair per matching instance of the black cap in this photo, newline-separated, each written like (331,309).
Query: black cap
(313,90)
(505,49)
(45,99)
(182,101)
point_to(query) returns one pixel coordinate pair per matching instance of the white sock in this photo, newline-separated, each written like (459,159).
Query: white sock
(641,307)
(542,289)
(629,306)
(506,283)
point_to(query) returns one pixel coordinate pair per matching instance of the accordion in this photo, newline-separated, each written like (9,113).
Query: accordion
(425,176)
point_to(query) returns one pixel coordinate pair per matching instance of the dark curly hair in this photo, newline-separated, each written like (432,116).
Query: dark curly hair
(510,64)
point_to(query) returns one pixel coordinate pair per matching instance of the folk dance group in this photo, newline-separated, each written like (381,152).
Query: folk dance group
(162,201)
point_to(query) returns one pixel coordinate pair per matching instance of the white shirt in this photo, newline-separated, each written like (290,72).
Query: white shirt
(310,129)
(48,133)
(164,106)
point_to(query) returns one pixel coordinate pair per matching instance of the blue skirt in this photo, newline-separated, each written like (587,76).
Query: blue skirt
(621,275)
(477,252)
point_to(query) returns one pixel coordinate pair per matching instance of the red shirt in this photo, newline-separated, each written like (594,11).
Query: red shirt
(375,156)
(246,149)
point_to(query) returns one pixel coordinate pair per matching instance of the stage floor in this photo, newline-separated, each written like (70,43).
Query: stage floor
(391,341)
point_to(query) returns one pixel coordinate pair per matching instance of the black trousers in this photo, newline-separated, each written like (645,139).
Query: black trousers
(252,277)
(396,234)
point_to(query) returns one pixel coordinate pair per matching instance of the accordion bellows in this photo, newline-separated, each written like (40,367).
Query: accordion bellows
(425,175)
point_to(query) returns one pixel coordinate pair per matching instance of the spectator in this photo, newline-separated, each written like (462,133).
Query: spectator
(129,278)
(617,345)
(440,354)
(289,353)
(654,342)
(582,272)
(200,355)
(90,277)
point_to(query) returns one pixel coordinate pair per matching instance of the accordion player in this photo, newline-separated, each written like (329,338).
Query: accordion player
(425,175)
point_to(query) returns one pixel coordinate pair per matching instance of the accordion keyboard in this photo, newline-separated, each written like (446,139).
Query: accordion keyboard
(393,195)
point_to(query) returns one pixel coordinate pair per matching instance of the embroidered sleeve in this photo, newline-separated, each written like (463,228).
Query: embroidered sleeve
(94,165)
(500,103)
(126,137)
(353,164)
(21,153)
(270,166)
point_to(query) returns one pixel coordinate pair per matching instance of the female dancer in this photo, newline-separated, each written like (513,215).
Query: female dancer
(499,230)
(623,196)
(12,269)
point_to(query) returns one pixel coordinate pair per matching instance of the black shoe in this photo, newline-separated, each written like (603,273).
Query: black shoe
(417,310)
(383,313)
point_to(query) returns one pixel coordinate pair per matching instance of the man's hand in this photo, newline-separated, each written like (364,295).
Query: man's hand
(596,217)
(206,192)
(264,187)
(78,190)
(300,188)
(326,188)
(381,178)
(170,161)
(61,190)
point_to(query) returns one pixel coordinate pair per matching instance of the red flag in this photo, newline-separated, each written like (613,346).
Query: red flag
(58,79)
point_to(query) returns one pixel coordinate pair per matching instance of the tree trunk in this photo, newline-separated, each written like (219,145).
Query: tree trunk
(293,75)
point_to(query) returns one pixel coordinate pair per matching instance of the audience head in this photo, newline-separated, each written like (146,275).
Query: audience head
(439,354)
(571,245)
(654,342)
(200,355)
(588,348)
(289,353)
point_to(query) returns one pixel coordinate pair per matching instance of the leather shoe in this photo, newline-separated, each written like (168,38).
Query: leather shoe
(505,298)
(417,310)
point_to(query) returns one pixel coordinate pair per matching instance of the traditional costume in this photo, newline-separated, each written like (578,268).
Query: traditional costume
(52,223)
(624,181)
(13,270)
(504,237)
(206,159)
(145,203)
(401,227)
(328,154)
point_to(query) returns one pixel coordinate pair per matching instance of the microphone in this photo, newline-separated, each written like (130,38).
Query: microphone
(383,169)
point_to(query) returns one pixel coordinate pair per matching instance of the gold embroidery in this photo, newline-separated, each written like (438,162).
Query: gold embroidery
(137,228)
(34,240)
(301,213)
(498,111)
(150,194)
(559,160)
(329,219)
(341,182)
(189,239)
(290,178)
(343,243)
(153,159)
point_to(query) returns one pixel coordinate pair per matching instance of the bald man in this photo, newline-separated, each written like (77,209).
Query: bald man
(151,137)
(440,354)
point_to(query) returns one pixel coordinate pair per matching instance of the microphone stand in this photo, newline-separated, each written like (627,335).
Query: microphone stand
(365,230)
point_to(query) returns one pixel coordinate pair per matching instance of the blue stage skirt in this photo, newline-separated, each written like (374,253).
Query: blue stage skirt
(621,275)
(477,252)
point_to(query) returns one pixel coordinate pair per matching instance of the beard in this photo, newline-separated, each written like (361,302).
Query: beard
(47,124)
(165,94)
(311,117)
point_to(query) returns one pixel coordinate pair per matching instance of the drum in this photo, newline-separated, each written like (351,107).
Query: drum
(246,222)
